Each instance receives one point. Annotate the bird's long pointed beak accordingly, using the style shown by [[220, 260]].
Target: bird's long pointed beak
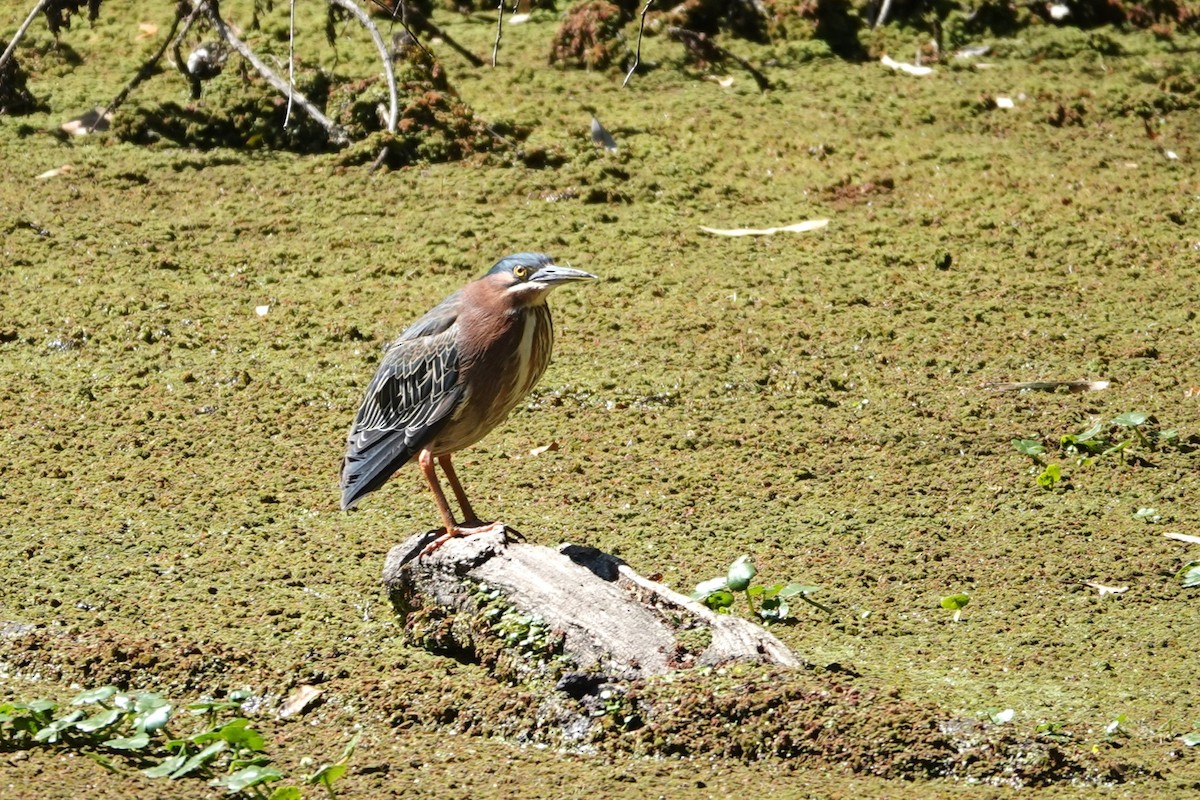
[[552, 274]]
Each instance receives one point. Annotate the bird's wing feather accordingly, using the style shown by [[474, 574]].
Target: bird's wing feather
[[413, 393]]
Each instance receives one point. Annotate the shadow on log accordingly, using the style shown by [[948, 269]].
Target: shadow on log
[[599, 657]]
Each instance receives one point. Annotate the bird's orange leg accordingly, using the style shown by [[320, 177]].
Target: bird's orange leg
[[425, 460], [452, 529], [469, 517]]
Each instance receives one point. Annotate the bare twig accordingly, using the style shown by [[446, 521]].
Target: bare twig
[[12, 45], [499, 30], [287, 115], [147, 69], [388, 71], [637, 58], [704, 47], [332, 130], [883, 13]]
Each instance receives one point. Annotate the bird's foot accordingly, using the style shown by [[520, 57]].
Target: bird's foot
[[472, 528]]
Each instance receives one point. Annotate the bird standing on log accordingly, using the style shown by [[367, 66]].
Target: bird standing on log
[[451, 377]]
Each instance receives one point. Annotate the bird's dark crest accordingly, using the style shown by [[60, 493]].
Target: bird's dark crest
[[534, 261]]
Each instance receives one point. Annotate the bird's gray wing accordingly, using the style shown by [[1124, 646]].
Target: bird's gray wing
[[414, 391]]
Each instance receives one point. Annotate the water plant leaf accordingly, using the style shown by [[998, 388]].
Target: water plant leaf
[[326, 774], [285, 793], [99, 720], [236, 733], [52, 732], [1051, 475], [705, 588], [152, 717], [1029, 447], [91, 696], [956, 602], [247, 777], [793, 589], [200, 759], [166, 767], [1189, 576], [135, 742], [741, 572], [1131, 419], [1191, 739]]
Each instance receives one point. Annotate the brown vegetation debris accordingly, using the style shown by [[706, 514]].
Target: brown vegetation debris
[[590, 36]]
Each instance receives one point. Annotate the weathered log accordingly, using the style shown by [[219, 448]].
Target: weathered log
[[596, 616]]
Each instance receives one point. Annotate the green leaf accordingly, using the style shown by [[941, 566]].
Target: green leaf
[[1189, 576], [741, 572], [793, 589], [51, 733], [200, 759], [719, 601], [153, 718], [1191, 739], [327, 774], [1148, 515], [706, 588], [285, 793], [91, 696], [236, 732], [166, 767], [135, 742], [1029, 447], [1168, 437], [1051, 475], [351, 746], [250, 776], [956, 602], [1131, 419], [99, 720]]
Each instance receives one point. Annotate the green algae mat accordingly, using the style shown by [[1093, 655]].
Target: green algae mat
[[980, 378]]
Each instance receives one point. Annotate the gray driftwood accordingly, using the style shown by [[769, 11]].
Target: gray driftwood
[[603, 619]]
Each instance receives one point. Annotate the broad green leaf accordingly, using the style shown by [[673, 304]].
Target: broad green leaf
[[1131, 419], [166, 767], [956, 602], [1149, 515], [98, 695], [153, 719], [135, 742], [250, 776], [797, 588], [200, 759], [719, 601], [1189, 576], [236, 733], [285, 793], [741, 572], [327, 774], [1168, 437], [99, 720], [706, 588], [52, 732], [1051, 475], [1029, 447], [1191, 739]]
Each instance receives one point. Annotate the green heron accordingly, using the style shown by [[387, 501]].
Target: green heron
[[451, 377]]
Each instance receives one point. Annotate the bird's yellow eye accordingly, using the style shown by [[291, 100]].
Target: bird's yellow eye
[[521, 271]]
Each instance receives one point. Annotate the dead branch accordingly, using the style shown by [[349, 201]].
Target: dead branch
[[335, 133], [20, 34], [704, 48], [147, 69], [388, 70], [637, 58]]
